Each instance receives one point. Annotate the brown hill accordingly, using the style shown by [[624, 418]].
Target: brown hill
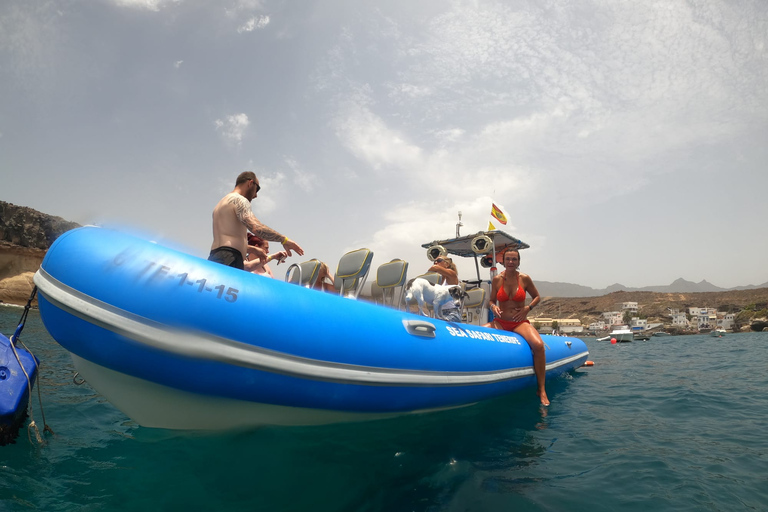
[[25, 236], [748, 304]]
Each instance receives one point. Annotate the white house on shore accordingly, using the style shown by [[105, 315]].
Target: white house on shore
[[632, 307], [613, 318], [638, 324], [725, 321], [564, 325], [600, 325], [679, 319]]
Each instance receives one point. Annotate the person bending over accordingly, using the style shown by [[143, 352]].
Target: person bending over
[[447, 269], [509, 289], [257, 265], [233, 218], [325, 280]]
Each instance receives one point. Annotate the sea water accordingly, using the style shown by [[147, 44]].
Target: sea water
[[673, 423]]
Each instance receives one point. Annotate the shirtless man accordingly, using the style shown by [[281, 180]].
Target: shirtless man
[[233, 218]]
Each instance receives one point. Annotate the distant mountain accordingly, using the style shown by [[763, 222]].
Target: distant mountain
[[550, 289]]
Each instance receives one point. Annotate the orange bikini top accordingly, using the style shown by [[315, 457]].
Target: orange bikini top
[[519, 296]]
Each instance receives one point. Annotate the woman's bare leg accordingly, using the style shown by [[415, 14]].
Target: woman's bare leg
[[539, 358]]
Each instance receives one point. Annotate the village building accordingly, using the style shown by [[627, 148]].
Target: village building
[[613, 318], [564, 325]]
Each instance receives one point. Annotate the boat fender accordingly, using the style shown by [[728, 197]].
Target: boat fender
[[482, 244], [588, 363]]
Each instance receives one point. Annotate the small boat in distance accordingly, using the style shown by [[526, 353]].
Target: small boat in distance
[[717, 333], [621, 334], [661, 333]]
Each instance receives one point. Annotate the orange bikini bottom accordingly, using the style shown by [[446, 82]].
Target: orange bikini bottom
[[509, 325]]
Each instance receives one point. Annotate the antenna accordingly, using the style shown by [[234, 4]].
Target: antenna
[[458, 225]]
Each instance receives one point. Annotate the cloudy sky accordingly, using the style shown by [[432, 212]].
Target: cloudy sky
[[626, 140]]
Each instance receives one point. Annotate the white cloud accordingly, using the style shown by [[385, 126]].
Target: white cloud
[[178, 64], [368, 137], [232, 128], [149, 5], [254, 23], [306, 181], [267, 203]]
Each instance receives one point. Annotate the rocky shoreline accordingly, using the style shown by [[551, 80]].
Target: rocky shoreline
[[25, 236], [749, 306]]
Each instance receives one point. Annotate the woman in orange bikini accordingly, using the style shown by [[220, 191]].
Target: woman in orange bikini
[[511, 314]]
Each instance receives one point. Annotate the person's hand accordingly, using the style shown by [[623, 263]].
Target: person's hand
[[289, 245], [258, 252], [280, 256], [520, 314]]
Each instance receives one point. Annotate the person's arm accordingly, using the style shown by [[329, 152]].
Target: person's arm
[[532, 291], [492, 299], [279, 257], [246, 216], [255, 253], [445, 272]]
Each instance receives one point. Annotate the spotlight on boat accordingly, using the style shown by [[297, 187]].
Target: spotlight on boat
[[436, 251], [482, 244]]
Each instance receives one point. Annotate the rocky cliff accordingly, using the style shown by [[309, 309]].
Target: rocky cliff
[[25, 235]]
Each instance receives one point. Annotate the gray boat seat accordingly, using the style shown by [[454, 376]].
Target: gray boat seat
[[304, 274], [377, 294], [473, 304], [352, 272], [432, 277], [390, 277]]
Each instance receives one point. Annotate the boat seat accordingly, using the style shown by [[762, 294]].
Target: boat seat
[[304, 274], [352, 271], [473, 303], [377, 294], [390, 278], [432, 277]]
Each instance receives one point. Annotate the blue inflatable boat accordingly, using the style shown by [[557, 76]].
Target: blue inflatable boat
[[178, 342]]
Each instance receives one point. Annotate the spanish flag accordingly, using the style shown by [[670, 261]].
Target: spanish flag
[[497, 214]]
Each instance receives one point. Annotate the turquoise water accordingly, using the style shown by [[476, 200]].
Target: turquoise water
[[675, 423]]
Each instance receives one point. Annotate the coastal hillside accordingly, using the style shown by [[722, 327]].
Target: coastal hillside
[[25, 236], [747, 304], [557, 289]]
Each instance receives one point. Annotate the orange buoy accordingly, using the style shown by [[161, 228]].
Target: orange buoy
[[613, 341], [588, 363]]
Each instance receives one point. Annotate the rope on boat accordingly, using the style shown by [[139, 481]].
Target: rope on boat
[[32, 427]]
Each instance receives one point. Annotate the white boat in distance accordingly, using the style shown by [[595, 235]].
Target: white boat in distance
[[621, 334], [717, 333]]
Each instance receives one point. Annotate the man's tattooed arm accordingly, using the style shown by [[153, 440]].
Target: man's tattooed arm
[[246, 216]]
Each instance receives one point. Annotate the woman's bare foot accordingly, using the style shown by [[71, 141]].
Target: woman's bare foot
[[543, 397]]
